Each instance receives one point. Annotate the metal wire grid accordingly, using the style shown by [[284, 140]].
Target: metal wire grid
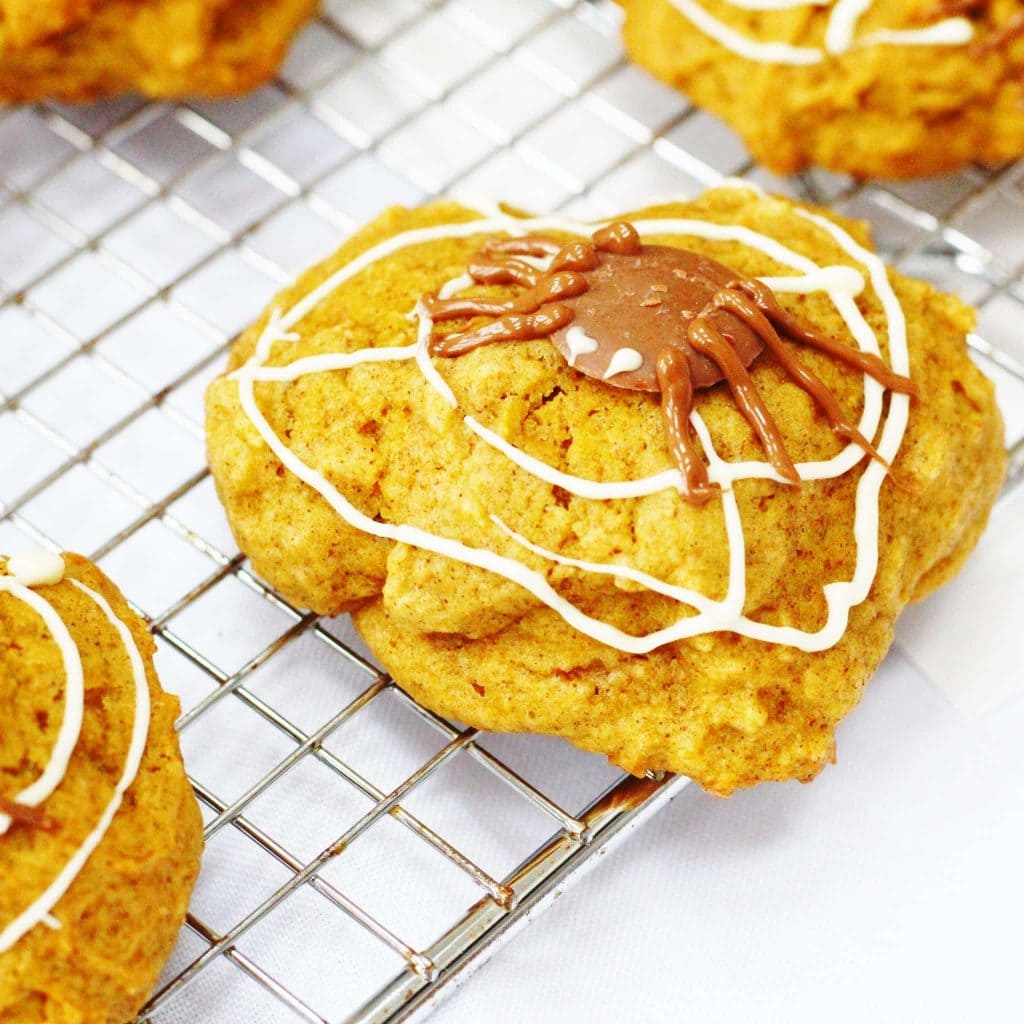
[[136, 240]]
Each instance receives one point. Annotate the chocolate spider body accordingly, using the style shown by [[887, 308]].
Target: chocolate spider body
[[658, 319], [645, 300]]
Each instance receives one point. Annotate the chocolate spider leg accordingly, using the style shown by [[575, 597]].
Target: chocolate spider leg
[[530, 245], [954, 9], [498, 270], [676, 384], [705, 337], [620, 237], [866, 362], [511, 327], [455, 309], [32, 817], [577, 255], [550, 288], [501, 270], [742, 306]]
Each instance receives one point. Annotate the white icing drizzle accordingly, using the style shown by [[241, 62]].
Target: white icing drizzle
[[681, 594], [949, 32], [326, 362], [623, 360], [36, 567], [842, 24], [33, 569], [778, 5], [840, 32], [752, 49], [580, 343], [593, 489], [843, 280], [40, 910], [840, 283]]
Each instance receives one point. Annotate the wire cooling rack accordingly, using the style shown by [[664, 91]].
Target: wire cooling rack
[[361, 851]]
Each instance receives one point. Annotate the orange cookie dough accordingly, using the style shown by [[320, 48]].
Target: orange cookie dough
[[869, 96], [91, 955], [77, 50], [501, 585]]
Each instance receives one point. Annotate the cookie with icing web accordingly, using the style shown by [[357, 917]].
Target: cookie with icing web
[[514, 535]]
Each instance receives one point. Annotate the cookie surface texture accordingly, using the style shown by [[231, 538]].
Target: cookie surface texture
[[95, 876], [887, 89], [77, 50], [524, 559]]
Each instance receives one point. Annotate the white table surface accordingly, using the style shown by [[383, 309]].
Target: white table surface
[[888, 890]]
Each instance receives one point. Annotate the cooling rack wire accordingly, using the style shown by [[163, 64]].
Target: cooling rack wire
[[361, 851]]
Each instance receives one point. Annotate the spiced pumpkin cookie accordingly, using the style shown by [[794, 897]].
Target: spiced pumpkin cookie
[[77, 50], [874, 88], [100, 834], [660, 486]]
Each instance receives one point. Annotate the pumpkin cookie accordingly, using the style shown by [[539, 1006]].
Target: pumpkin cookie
[[660, 485], [873, 88], [78, 50], [100, 834]]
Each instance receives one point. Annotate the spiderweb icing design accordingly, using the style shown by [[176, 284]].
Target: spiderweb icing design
[[841, 284]]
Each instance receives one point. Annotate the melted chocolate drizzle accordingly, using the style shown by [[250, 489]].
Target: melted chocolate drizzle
[[998, 35], [684, 321], [957, 9], [31, 817]]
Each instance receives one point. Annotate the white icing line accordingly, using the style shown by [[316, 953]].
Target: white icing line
[[415, 537], [51, 922], [456, 285], [723, 612], [777, 5], [727, 233], [306, 305], [951, 32], [489, 207], [74, 687], [840, 31], [324, 363], [426, 364], [593, 489], [763, 53], [840, 279], [681, 594], [840, 596], [41, 908], [623, 360], [842, 24]]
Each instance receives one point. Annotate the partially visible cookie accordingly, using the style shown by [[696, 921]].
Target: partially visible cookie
[[100, 834], [78, 50], [883, 89]]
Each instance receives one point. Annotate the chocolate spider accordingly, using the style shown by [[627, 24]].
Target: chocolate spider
[[658, 319]]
